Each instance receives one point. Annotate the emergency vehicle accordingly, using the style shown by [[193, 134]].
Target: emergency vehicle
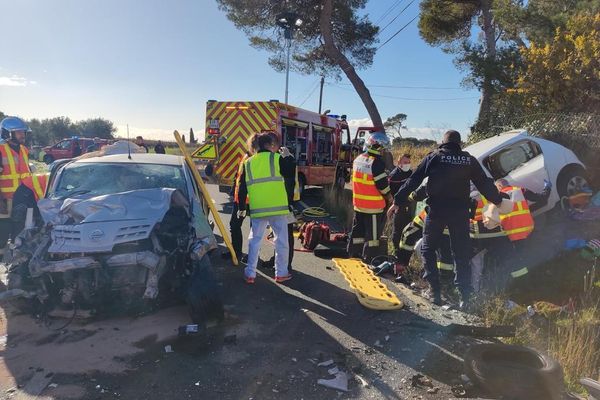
[[314, 139]]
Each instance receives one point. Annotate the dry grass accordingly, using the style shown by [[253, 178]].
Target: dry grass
[[417, 152], [571, 334]]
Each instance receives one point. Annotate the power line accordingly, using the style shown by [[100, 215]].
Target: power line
[[410, 98], [385, 14], [396, 17], [309, 88], [398, 31], [408, 87], [310, 94]]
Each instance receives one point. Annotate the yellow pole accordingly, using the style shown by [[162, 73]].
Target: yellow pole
[[207, 197]]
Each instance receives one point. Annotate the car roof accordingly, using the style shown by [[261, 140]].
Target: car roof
[[485, 146], [136, 158]]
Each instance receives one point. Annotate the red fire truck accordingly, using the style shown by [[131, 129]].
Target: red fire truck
[[316, 140]]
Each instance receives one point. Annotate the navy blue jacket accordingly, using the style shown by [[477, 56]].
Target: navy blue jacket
[[449, 171]]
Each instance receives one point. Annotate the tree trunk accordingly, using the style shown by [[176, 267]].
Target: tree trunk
[[487, 89], [340, 59]]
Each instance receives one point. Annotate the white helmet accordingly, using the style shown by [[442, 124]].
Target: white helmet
[[377, 140]]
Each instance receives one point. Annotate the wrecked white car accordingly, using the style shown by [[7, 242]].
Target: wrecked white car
[[117, 232]]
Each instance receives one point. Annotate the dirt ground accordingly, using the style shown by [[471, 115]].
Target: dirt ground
[[268, 347]]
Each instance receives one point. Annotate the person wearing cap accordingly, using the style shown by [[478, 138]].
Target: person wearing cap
[[449, 170], [370, 196]]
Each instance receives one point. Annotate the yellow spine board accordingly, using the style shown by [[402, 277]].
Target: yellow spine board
[[207, 197], [369, 289]]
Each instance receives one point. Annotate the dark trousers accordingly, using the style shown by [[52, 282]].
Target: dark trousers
[[364, 238], [401, 219], [457, 221], [235, 229], [410, 236]]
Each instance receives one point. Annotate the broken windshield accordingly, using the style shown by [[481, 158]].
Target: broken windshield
[[99, 179]]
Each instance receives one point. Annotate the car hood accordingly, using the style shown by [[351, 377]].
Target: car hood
[[96, 224]]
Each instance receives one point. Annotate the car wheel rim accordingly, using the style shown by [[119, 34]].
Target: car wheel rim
[[576, 185]]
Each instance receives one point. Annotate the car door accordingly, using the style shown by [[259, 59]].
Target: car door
[[522, 164]]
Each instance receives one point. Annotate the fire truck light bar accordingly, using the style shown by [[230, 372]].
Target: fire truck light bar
[[237, 107]]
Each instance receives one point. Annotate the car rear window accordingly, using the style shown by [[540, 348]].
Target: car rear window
[[100, 179]]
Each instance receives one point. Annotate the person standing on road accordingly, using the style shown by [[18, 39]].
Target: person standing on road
[[140, 142], [403, 216], [159, 148], [236, 221], [14, 168], [449, 171], [370, 194], [263, 179]]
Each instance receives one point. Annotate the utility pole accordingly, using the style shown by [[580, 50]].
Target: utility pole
[[321, 93]]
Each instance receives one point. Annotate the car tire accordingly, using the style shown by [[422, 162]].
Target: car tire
[[514, 372], [204, 297], [571, 180], [48, 159]]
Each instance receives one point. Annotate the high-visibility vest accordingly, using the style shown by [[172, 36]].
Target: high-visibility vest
[[37, 183], [266, 186], [366, 198], [420, 218], [236, 188], [518, 224], [15, 167]]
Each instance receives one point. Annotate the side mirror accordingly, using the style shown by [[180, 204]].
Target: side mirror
[[32, 167], [361, 134]]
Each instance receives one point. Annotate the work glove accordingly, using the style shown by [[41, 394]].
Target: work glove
[[285, 152], [241, 214], [547, 185]]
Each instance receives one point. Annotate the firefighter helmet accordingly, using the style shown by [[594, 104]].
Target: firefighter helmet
[[377, 140], [12, 124]]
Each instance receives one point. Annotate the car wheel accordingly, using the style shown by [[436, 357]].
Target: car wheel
[[571, 180], [48, 159]]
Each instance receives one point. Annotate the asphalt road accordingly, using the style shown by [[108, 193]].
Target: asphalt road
[[268, 347]]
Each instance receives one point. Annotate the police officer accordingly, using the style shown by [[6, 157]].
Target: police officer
[[14, 164], [449, 171], [370, 195]]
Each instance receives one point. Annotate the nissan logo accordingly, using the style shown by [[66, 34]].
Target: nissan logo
[[96, 234]]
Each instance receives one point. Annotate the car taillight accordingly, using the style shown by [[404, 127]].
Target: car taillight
[[213, 131]]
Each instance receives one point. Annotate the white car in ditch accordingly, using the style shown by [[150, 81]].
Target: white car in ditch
[[526, 161], [118, 232]]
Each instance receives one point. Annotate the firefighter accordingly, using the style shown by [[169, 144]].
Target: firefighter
[[14, 161], [403, 217], [370, 195], [518, 224], [449, 171], [26, 196], [263, 180]]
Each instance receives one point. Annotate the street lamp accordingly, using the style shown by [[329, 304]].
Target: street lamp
[[288, 21]]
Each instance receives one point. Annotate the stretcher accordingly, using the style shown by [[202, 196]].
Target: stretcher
[[369, 289]]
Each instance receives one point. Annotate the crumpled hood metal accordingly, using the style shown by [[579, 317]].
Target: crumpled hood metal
[[98, 223]]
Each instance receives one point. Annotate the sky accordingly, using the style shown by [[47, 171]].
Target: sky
[[152, 65]]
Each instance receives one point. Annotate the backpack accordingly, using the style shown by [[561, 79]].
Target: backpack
[[312, 233]]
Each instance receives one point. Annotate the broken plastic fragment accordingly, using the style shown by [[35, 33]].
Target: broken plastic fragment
[[168, 349], [325, 363], [362, 380], [333, 371], [340, 382]]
